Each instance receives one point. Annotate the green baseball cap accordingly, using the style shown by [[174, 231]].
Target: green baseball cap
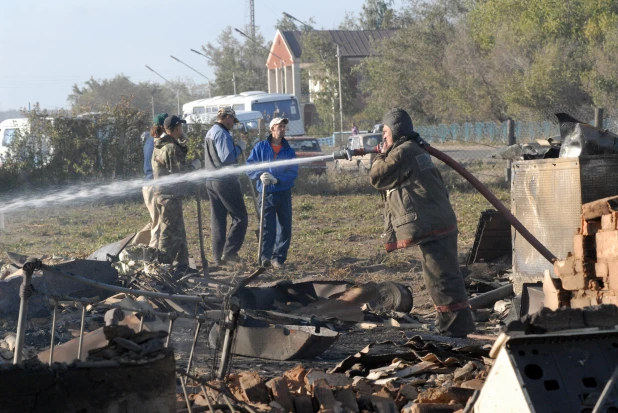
[[159, 119]]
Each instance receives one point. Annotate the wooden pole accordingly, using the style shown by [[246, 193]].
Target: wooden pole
[[510, 135]]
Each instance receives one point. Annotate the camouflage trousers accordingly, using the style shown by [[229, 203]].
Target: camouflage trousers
[[151, 204], [446, 287], [172, 235]]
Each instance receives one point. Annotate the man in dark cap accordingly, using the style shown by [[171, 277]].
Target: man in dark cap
[[169, 157], [418, 212]]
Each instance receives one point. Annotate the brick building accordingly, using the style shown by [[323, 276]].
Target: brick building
[[285, 61]]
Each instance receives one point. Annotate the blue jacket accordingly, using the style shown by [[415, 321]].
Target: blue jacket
[[148, 150], [219, 150], [263, 152]]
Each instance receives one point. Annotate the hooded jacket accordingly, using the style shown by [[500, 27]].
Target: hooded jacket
[[168, 158], [417, 208], [286, 175]]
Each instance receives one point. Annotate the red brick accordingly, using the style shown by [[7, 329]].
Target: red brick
[[608, 221], [574, 282], [612, 277], [601, 270], [609, 299], [607, 246], [584, 267], [581, 302], [584, 246], [565, 268]]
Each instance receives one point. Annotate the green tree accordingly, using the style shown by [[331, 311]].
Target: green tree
[[350, 22], [286, 24], [98, 94], [377, 14], [321, 53], [244, 60]]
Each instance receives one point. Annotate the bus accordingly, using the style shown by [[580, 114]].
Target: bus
[[270, 105]]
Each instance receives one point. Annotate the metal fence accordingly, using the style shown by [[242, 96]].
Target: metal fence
[[474, 144]]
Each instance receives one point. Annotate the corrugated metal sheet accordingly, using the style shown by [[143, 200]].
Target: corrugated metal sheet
[[546, 196], [352, 43]]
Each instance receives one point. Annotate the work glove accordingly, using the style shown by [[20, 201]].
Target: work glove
[[267, 178]]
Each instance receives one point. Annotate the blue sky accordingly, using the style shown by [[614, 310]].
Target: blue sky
[[54, 44]]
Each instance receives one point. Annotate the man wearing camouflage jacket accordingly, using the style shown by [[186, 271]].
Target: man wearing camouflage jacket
[[417, 211], [169, 158]]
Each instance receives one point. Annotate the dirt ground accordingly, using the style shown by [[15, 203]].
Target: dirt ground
[[337, 226]]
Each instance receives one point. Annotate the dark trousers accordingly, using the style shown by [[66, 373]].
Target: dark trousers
[[446, 287], [226, 198], [277, 225]]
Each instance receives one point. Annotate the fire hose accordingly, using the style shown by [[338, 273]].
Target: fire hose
[[459, 168]]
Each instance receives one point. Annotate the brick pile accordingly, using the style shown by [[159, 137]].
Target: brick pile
[[589, 275]]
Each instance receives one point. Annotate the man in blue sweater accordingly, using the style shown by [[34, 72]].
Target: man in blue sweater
[[277, 182], [224, 192]]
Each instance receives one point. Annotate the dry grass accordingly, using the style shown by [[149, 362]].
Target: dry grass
[[336, 230]]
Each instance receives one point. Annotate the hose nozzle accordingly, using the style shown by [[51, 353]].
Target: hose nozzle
[[347, 153]]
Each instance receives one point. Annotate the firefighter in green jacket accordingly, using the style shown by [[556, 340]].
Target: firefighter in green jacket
[[169, 158], [417, 211]]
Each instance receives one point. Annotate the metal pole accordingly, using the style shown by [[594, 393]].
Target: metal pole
[[200, 321], [173, 318], [234, 81], [81, 333], [184, 391], [178, 102], [109, 287], [200, 231], [261, 240], [152, 104], [340, 95], [598, 117], [510, 136], [53, 333], [226, 350], [25, 292]]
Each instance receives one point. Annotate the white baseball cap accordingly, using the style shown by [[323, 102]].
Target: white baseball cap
[[277, 121]]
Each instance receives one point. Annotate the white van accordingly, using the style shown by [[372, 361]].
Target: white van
[[247, 120], [8, 127]]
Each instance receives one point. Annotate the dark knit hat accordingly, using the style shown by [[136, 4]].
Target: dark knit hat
[[159, 119], [399, 122]]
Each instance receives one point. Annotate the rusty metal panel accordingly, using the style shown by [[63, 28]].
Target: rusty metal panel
[[546, 198]]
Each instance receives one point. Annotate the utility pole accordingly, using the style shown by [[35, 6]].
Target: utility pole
[[215, 62], [598, 117], [177, 90], [204, 76], [252, 19], [340, 95]]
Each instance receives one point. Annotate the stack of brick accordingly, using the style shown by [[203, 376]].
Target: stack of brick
[[589, 275]]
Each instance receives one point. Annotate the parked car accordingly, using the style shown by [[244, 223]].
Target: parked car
[[306, 147], [366, 141]]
